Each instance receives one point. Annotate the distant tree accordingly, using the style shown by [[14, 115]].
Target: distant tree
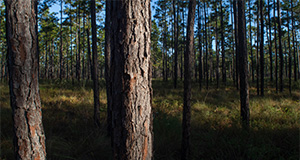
[[186, 119], [131, 79], [280, 47], [244, 90], [262, 59], [29, 137], [175, 13]]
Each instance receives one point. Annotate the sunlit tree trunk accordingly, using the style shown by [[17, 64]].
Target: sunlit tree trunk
[[29, 137], [131, 80]]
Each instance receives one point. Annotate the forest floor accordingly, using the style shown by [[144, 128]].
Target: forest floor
[[216, 130]]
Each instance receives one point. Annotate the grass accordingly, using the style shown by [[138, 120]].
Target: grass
[[216, 129]]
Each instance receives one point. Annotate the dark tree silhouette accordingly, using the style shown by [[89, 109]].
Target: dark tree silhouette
[[186, 120]]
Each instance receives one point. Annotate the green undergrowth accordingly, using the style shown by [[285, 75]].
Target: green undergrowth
[[216, 132]]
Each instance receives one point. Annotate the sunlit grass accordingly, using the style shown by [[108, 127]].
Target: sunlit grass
[[216, 129]]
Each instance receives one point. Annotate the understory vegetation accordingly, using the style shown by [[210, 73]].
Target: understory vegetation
[[216, 132]]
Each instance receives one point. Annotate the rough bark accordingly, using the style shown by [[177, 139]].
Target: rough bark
[[186, 119], [29, 137], [95, 66], [235, 16], [131, 79], [244, 90]]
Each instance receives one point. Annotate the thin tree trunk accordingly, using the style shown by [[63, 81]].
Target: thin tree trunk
[[223, 46], [200, 47], [108, 42], [175, 43], [236, 44], [95, 66], [276, 54], [206, 46], [186, 119], [280, 48], [294, 45], [270, 42], [257, 49], [29, 137], [262, 59], [131, 80], [244, 90], [290, 53], [251, 48], [61, 42], [217, 47]]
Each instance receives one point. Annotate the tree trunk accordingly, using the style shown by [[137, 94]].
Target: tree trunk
[[200, 47], [186, 119], [257, 48], [276, 55], [206, 46], [95, 66], [223, 46], [270, 42], [251, 48], [217, 47], [294, 45], [175, 43], [290, 54], [131, 80], [108, 28], [236, 43], [244, 90], [262, 59], [29, 137], [61, 42], [280, 48]]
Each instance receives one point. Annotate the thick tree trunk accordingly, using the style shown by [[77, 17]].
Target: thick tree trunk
[[186, 119], [244, 90], [131, 80], [29, 137], [95, 66], [262, 59], [280, 48]]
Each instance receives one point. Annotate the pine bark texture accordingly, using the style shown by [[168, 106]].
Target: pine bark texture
[[188, 55], [29, 137], [131, 79], [244, 89]]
